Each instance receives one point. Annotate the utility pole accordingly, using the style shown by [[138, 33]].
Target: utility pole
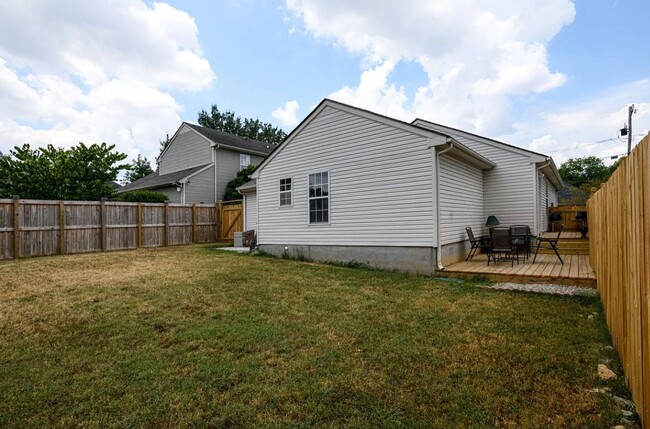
[[630, 110]]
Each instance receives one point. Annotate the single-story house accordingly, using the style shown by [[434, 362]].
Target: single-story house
[[198, 163], [351, 185]]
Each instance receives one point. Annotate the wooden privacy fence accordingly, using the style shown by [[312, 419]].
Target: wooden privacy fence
[[37, 227], [619, 237], [231, 219], [568, 214]]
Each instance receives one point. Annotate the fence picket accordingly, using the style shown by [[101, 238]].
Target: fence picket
[[619, 236], [36, 228]]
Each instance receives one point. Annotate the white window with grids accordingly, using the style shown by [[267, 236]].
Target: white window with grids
[[244, 161], [286, 192], [319, 198]]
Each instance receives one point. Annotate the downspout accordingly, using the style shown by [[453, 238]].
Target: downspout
[[436, 201], [215, 147], [536, 224]]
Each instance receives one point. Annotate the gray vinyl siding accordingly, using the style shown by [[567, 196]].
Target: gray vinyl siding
[[508, 189], [552, 195], [171, 192], [461, 199], [188, 149], [380, 180], [544, 202], [200, 189], [250, 204], [228, 167]]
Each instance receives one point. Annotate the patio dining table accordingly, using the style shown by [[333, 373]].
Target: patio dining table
[[521, 236]]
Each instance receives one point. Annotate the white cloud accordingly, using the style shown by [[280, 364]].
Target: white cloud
[[589, 127], [96, 71], [477, 55], [287, 115]]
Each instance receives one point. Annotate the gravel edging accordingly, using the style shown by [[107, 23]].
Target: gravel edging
[[544, 288]]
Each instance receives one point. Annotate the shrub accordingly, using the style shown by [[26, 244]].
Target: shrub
[[142, 196]]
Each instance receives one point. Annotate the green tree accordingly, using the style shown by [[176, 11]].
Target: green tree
[[141, 196], [139, 168], [243, 176], [79, 173], [252, 128], [585, 172]]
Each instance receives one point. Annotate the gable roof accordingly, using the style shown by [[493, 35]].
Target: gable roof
[[457, 147], [232, 141], [549, 170], [155, 180]]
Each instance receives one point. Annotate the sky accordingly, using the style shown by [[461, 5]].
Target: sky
[[553, 76]]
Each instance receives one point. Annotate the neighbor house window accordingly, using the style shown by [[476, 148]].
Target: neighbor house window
[[244, 161], [285, 192], [319, 199]]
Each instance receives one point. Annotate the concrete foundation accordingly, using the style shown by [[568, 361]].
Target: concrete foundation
[[416, 260], [455, 252]]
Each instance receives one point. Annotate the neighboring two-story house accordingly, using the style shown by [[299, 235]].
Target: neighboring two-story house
[[199, 162]]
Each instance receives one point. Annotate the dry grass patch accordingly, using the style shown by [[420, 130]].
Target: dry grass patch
[[192, 336]]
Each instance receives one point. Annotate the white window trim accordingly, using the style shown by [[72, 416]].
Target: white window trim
[[290, 191], [329, 200], [240, 161]]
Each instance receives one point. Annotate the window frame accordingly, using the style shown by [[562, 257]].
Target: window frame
[[280, 192], [328, 197], [241, 157]]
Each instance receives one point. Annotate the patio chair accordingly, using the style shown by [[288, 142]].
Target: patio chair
[[521, 238], [549, 243], [476, 243], [502, 247]]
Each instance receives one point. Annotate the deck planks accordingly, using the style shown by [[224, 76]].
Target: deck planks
[[546, 269]]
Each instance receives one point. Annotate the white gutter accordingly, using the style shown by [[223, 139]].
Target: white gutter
[[436, 201], [536, 196]]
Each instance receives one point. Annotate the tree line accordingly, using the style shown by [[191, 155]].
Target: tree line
[[87, 172]]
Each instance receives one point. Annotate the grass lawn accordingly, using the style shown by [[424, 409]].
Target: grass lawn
[[197, 337]]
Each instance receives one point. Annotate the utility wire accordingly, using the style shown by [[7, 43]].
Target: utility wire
[[564, 149]]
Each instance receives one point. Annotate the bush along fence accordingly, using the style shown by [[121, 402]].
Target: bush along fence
[[619, 239], [39, 227]]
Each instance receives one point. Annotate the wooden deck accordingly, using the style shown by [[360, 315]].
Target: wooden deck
[[576, 270]]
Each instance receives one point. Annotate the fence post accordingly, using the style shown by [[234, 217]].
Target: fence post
[[194, 226], [61, 227], [166, 220], [102, 223], [219, 218], [139, 244], [16, 227]]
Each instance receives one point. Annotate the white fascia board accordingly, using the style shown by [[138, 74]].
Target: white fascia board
[[535, 157], [184, 179], [171, 141], [354, 111], [463, 152]]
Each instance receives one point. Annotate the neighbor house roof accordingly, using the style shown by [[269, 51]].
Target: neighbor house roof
[[155, 180], [230, 140], [248, 186]]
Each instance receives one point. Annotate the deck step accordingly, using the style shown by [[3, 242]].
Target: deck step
[[577, 246]]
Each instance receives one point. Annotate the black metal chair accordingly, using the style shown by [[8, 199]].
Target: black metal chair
[[476, 243], [521, 238], [549, 243], [501, 246]]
